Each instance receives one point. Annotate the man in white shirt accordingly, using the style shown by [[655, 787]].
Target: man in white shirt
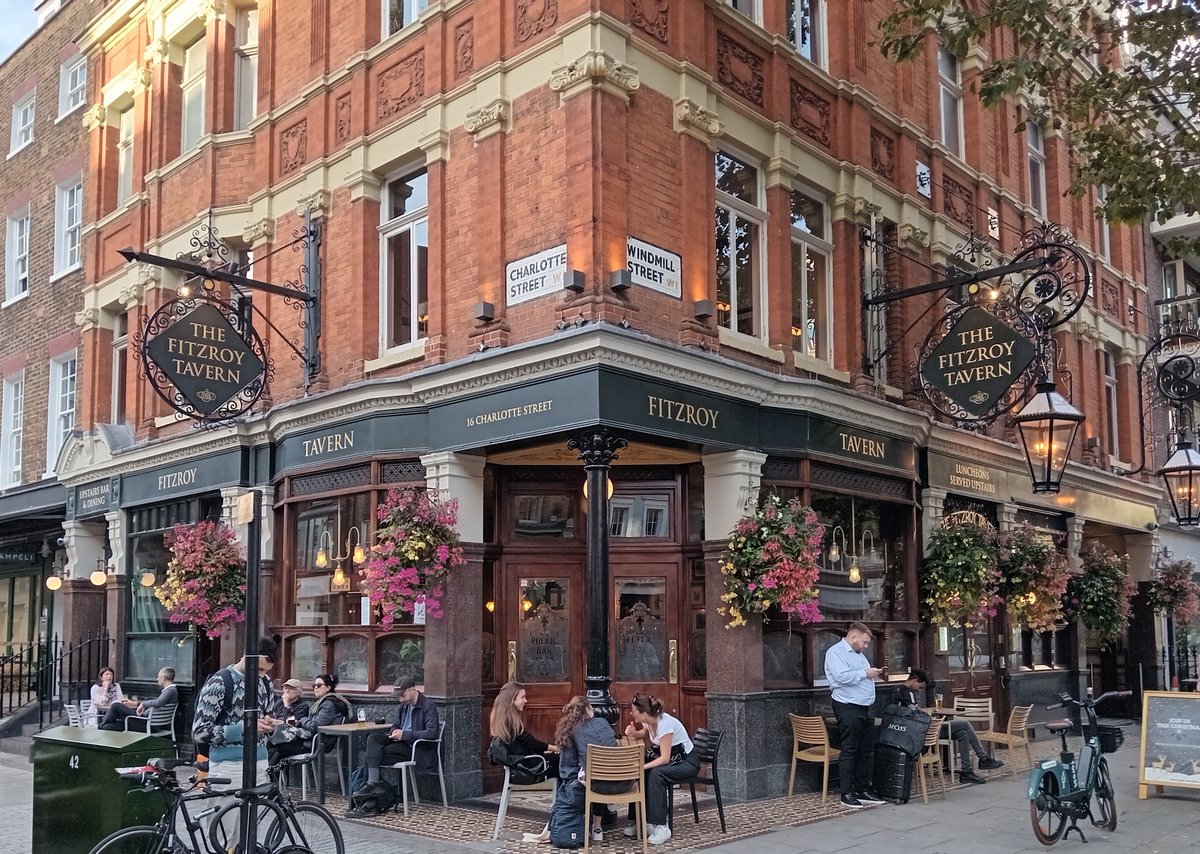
[[852, 683]]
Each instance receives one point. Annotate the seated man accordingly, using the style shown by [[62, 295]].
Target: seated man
[[416, 718], [114, 718], [960, 731]]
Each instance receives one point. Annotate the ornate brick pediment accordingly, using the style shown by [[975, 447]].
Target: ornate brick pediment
[[598, 68], [487, 120], [740, 69], [534, 17], [401, 86], [809, 113], [651, 17]]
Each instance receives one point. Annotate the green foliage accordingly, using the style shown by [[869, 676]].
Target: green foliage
[[961, 578], [1034, 576], [1100, 595]]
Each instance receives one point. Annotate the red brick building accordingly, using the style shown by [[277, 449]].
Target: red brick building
[[542, 218]]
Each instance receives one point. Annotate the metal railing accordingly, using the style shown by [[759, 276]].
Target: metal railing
[[51, 674]]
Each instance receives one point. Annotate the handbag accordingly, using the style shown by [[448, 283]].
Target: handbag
[[904, 728]]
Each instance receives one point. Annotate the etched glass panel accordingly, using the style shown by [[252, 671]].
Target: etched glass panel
[[401, 655], [783, 654], [350, 661], [539, 517], [544, 634], [897, 652], [641, 632], [822, 642], [307, 658]]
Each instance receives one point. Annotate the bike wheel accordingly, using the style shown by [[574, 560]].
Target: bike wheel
[[1047, 824], [1106, 800], [224, 829], [133, 840], [311, 826]]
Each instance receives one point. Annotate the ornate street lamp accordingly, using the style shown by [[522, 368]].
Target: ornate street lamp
[[1048, 424], [1181, 475]]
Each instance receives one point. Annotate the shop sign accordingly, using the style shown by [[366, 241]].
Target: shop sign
[[978, 361], [676, 411], [534, 275], [654, 268], [95, 498], [18, 557], [357, 439], [196, 476], [966, 477], [533, 409], [212, 368], [1170, 741], [856, 445]]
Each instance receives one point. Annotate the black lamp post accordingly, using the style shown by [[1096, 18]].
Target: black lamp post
[[597, 451], [1181, 475], [1048, 424]]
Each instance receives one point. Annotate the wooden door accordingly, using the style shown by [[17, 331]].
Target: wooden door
[[645, 634]]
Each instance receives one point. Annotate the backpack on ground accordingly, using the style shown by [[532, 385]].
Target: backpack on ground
[[568, 824], [379, 802]]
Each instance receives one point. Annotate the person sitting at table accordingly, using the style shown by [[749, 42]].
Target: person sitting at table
[[106, 692], [674, 760], [961, 732], [512, 743], [577, 728], [287, 739], [114, 718], [328, 709], [416, 718]]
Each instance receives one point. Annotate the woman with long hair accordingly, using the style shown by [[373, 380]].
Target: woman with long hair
[[665, 735], [577, 728], [512, 743], [106, 691]]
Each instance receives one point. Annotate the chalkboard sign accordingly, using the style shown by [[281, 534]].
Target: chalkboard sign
[[1170, 741]]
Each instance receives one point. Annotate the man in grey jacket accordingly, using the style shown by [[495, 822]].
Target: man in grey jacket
[[114, 719]]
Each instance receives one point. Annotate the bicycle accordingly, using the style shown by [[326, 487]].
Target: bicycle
[[1063, 788]]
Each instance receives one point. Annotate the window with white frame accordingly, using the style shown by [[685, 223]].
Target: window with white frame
[[68, 217], [245, 68], [398, 14], [806, 28], [404, 260], [1036, 150], [191, 86], [740, 221], [60, 416], [749, 8], [1111, 403], [812, 321], [16, 272], [13, 417], [1103, 236], [72, 84], [124, 156], [120, 366], [22, 123], [950, 85]]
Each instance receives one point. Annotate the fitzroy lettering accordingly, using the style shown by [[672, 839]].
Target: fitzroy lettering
[[177, 478], [986, 357], [685, 413], [189, 356]]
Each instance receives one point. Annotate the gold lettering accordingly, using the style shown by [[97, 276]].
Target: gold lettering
[[863, 446], [684, 413]]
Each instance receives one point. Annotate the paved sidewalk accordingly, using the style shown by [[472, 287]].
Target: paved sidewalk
[[987, 819]]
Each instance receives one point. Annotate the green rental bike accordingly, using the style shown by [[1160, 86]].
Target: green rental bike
[[1063, 788]]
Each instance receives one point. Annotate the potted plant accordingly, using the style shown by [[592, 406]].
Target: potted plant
[[1033, 577], [205, 582], [416, 547], [1100, 595], [773, 559], [1175, 591], [961, 580]]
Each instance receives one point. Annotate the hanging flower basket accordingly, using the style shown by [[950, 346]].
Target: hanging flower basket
[[961, 579], [417, 546], [1033, 578], [1175, 591], [773, 559], [1100, 595], [205, 581]]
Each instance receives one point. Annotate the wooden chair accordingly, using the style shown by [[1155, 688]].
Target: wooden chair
[[1017, 735], [977, 710], [706, 743], [811, 731], [550, 784], [160, 721], [73, 716], [615, 764], [931, 758], [409, 767]]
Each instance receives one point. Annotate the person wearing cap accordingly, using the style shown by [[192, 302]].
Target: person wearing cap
[[416, 718], [287, 739]]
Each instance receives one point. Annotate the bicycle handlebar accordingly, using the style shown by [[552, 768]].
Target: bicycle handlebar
[[1066, 699]]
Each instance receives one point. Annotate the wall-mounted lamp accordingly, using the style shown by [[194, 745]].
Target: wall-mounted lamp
[[490, 606], [54, 580], [574, 280], [339, 583], [621, 280], [101, 573], [485, 312], [703, 309], [608, 487], [835, 551], [526, 604]]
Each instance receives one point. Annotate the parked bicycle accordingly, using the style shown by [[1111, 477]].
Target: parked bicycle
[[283, 826], [1063, 788]]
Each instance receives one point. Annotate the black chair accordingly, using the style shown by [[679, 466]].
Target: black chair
[[706, 743]]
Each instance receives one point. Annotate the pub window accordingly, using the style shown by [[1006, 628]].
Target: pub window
[[740, 221], [1036, 144], [640, 516], [863, 562], [124, 156], [398, 14], [120, 366], [245, 68], [324, 596], [540, 516], [1112, 413], [950, 89], [404, 256], [749, 8], [1103, 242], [812, 320], [806, 28], [191, 88]]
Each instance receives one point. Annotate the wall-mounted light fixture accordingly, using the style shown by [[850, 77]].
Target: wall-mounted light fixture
[[485, 312], [621, 280], [54, 579], [148, 578], [574, 280], [1047, 426], [340, 583], [608, 487], [490, 606], [100, 574], [703, 309]]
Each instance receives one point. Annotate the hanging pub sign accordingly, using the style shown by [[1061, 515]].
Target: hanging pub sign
[[977, 361], [204, 360]]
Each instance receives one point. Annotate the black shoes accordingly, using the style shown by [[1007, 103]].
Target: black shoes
[[851, 802], [971, 777], [367, 809], [869, 797], [371, 790], [987, 763]]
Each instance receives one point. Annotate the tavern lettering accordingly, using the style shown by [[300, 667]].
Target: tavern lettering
[[989, 359], [685, 413], [863, 446], [176, 479], [329, 443], [220, 359]]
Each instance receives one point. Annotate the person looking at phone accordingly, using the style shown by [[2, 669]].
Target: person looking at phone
[[416, 718], [961, 732], [852, 682]]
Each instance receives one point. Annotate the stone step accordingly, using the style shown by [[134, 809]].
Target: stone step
[[17, 745]]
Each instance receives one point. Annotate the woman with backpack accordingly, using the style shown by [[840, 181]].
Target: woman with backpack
[[528, 758]]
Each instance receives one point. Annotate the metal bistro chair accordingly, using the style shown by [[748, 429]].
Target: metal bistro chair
[[73, 716], [615, 764], [811, 731], [409, 767], [931, 758], [550, 784], [87, 714], [706, 743], [159, 722]]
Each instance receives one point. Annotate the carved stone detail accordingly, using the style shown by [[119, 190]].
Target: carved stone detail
[[145, 76], [957, 202], [156, 51], [401, 86], [149, 276], [293, 147], [809, 113], [598, 67], [1110, 298], [464, 47], [133, 292], [863, 209], [909, 235], [883, 154], [94, 117], [210, 10], [262, 231], [87, 318], [740, 69], [319, 201], [342, 117], [535, 16], [488, 119], [597, 447], [699, 121], [651, 17]]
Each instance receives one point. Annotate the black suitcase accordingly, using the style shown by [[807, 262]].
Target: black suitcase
[[893, 773]]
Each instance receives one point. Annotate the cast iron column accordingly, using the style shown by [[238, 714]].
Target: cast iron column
[[597, 451]]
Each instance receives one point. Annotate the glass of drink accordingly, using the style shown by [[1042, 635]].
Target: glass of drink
[[937, 702], [362, 718]]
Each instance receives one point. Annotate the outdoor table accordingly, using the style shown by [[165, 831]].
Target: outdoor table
[[346, 731]]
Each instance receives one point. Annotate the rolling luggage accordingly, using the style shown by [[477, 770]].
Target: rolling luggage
[[893, 773]]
